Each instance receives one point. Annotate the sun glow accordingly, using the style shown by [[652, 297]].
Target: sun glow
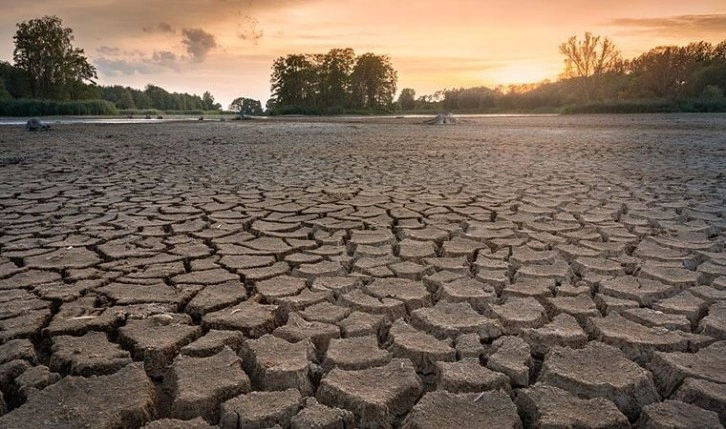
[[526, 72]]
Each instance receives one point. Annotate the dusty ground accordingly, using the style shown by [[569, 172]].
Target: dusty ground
[[503, 272]]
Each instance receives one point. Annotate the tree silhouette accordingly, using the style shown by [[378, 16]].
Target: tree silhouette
[[293, 81], [589, 59], [304, 83], [335, 70], [209, 103], [407, 99], [246, 106], [374, 81]]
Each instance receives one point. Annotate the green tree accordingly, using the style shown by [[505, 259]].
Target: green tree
[[373, 81], [294, 81], [15, 80], [246, 106], [141, 100], [44, 50], [209, 103], [407, 99], [663, 71], [126, 101], [120, 96], [4, 94], [271, 105], [589, 59], [160, 98], [709, 75], [335, 70], [318, 83]]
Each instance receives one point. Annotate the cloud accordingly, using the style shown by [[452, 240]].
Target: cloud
[[165, 59], [162, 27], [136, 63], [166, 28], [108, 50], [198, 43], [116, 67], [688, 25]]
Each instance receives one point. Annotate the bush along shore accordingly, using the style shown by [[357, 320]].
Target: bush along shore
[[56, 108]]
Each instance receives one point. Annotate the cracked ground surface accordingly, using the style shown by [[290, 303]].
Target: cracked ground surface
[[504, 272]]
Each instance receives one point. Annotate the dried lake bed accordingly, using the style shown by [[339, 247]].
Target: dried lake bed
[[513, 271]]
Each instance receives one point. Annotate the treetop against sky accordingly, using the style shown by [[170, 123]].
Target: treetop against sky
[[228, 46]]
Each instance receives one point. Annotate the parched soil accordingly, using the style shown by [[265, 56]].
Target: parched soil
[[375, 273]]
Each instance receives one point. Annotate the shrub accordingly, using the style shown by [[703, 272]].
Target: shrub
[[24, 107]]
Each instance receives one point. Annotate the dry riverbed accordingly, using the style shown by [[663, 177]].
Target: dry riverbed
[[339, 273]]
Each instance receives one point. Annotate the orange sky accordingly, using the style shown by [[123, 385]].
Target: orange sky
[[227, 46]]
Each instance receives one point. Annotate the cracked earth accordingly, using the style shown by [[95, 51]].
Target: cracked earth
[[505, 272]]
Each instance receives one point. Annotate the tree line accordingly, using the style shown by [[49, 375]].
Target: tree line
[[14, 86], [154, 97], [596, 78]]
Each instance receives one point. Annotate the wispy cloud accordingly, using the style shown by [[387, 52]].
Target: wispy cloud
[[162, 27], [249, 29], [682, 25], [166, 59], [114, 62], [117, 67], [108, 50]]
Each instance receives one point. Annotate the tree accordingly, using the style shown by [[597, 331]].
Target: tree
[[374, 81], [663, 71], [160, 98], [141, 100], [246, 106], [126, 101], [407, 99], [4, 94], [588, 60], [293, 81], [209, 103], [719, 52], [44, 50], [335, 71], [15, 79]]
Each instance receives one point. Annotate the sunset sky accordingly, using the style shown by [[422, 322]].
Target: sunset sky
[[227, 46]]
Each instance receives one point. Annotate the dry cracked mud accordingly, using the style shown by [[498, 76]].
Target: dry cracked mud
[[375, 273]]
